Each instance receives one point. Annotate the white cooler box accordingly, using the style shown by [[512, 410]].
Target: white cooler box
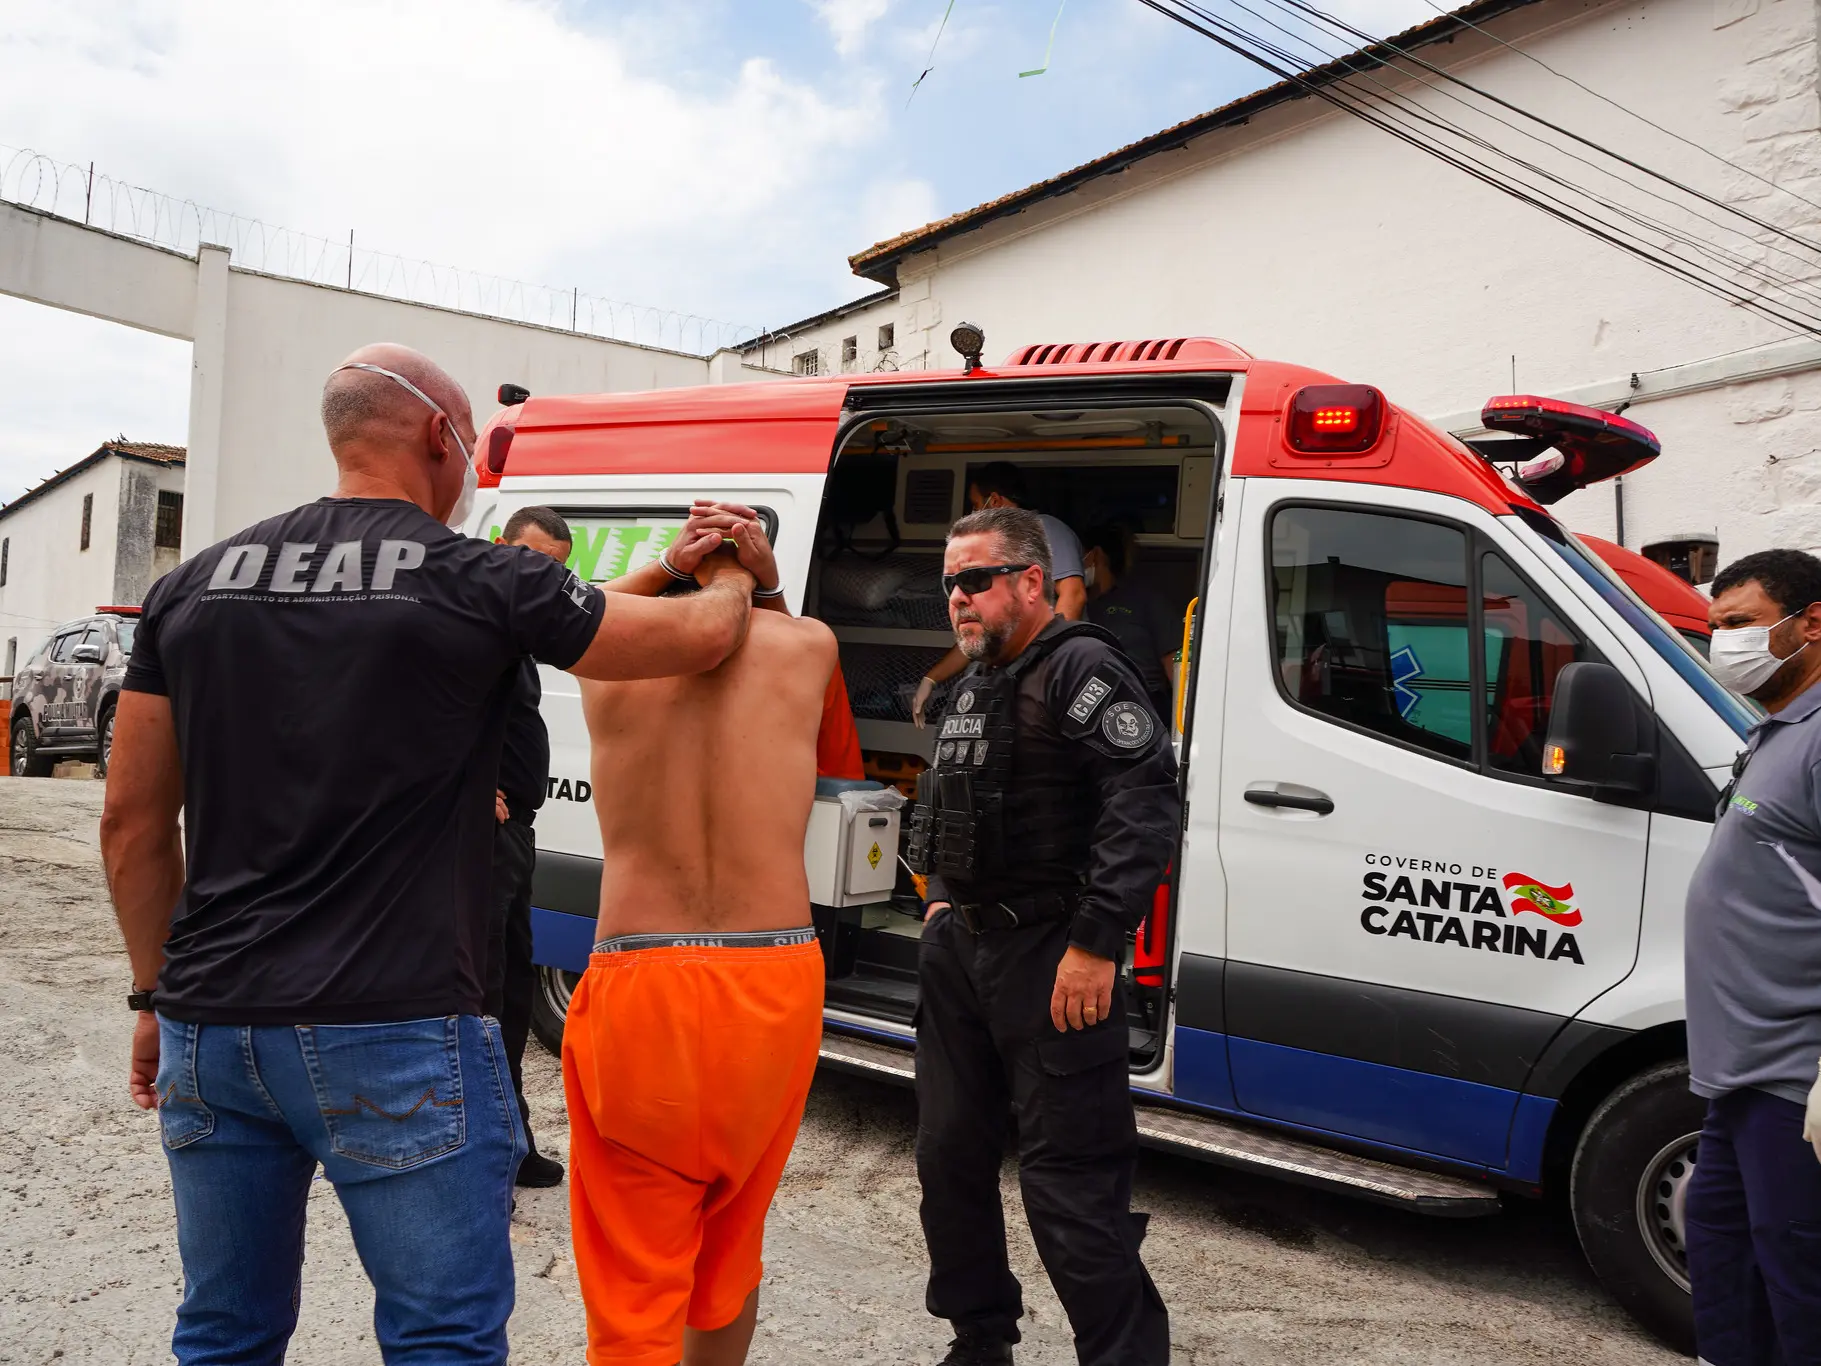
[[851, 856]]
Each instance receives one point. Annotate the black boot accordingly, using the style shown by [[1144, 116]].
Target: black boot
[[977, 1349], [538, 1170]]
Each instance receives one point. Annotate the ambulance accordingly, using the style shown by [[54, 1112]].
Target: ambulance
[[1445, 773]]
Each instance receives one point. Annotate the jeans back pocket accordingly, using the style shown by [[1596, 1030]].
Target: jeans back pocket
[[182, 1116], [390, 1094]]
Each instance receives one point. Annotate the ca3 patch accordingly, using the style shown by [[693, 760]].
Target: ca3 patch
[[1127, 725]]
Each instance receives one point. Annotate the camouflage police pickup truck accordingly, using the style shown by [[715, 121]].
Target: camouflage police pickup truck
[[64, 693]]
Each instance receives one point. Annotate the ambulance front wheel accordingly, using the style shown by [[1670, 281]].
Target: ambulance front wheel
[[550, 1005], [1628, 1190]]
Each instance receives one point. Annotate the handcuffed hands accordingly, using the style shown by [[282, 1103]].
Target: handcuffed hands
[[1811, 1119], [741, 525], [1084, 989]]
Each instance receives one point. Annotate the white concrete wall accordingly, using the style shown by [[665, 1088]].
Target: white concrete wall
[[1310, 236], [49, 578], [264, 345]]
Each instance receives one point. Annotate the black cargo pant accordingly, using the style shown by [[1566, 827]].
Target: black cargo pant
[[511, 976], [986, 1047]]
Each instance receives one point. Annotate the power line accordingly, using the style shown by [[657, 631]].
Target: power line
[[1624, 109], [1714, 251], [1254, 49]]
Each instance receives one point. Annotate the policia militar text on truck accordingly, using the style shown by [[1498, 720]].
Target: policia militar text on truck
[[1444, 773]]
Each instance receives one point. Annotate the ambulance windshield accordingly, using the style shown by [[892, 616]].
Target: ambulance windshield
[[1642, 618]]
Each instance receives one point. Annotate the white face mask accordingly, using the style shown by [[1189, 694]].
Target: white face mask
[[464, 501], [1741, 658], [1089, 576]]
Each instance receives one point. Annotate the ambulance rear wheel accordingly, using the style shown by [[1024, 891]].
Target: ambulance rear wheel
[[1628, 1190], [550, 1005]]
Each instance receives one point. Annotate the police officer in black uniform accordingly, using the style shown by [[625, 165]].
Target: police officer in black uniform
[[1046, 821]]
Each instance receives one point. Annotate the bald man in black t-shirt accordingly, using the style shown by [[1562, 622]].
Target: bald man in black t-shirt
[[322, 696]]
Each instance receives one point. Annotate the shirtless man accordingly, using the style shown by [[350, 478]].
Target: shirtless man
[[692, 1038]]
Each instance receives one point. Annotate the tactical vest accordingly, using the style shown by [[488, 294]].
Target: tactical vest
[[967, 823]]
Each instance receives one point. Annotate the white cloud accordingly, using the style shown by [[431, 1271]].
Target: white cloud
[[849, 20], [496, 135], [73, 382]]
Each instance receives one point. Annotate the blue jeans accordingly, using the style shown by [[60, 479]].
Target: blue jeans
[[416, 1125], [1754, 1235]]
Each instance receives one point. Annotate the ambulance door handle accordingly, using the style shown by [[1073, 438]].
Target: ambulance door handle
[[1318, 802]]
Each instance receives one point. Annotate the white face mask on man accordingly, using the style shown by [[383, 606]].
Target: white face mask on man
[[471, 481], [1742, 659]]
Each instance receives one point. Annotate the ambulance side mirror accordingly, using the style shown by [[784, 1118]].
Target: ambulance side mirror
[[1599, 735]]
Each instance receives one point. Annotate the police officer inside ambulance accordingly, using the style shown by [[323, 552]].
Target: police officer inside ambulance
[[1045, 822]]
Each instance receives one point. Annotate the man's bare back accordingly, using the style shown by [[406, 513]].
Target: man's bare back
[[703, 785]]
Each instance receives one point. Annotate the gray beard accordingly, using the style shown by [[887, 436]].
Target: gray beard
[[985, 647]]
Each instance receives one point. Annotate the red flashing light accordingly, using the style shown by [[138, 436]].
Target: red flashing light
[[499, 443], [1535, 415], [1335, 419]]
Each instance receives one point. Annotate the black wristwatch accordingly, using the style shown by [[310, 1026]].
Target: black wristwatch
[[140, 1000]]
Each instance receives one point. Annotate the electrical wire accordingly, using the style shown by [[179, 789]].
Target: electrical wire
[[1719, 254], [1623, 109], [1261, 53], [1369, 42]]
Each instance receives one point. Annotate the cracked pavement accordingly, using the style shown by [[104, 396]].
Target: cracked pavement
[[1254, 1271]]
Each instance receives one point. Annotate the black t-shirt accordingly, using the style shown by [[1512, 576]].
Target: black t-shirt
[[1147, 632], [525, 760], [339, 677]]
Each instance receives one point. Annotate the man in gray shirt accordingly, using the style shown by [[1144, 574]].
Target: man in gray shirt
[[1753, 964]]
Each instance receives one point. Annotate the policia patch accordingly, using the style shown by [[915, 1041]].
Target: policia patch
[[1128, 725]]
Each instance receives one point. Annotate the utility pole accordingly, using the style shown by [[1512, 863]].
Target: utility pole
[[575, 304], [88, 200], [350, 258]]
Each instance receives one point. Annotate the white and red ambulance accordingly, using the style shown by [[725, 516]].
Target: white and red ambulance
[[1445, 774]]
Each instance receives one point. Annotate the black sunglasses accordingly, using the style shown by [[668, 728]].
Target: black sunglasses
[[972, 581]]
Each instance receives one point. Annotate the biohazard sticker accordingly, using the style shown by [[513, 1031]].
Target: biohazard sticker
[[1092, 694], [874, 854], [965, 703], [1127, 725]]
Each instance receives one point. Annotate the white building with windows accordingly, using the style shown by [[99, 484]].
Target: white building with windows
[[96, 534]]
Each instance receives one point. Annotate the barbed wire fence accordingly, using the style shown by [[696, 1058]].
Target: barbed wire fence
[[83, 195]]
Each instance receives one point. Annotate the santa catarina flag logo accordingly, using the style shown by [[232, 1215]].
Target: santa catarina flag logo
[[1527, 894]]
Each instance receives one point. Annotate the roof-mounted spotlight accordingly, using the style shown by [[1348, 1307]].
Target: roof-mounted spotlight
[[970, 342], [511, 394]]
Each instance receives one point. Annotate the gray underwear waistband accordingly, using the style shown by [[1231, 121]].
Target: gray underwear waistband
[[740, 939]]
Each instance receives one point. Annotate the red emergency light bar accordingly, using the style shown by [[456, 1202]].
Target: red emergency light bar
[[1335, 419], [1584, 445], [121, 611]]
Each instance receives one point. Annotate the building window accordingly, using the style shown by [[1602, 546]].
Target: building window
[[850, 350], [6, 550], [88, 513], [888, 336], [1695, 559], [806, 363], [168, 533]]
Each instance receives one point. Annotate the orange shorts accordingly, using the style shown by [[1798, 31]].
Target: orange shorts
[[685, 1069]]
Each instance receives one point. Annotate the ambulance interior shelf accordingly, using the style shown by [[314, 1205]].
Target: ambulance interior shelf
[[875, 579]]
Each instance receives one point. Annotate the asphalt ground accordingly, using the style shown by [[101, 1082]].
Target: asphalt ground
[[1254, 1271]]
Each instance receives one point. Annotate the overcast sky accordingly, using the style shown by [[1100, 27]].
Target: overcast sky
[[713, 157]]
